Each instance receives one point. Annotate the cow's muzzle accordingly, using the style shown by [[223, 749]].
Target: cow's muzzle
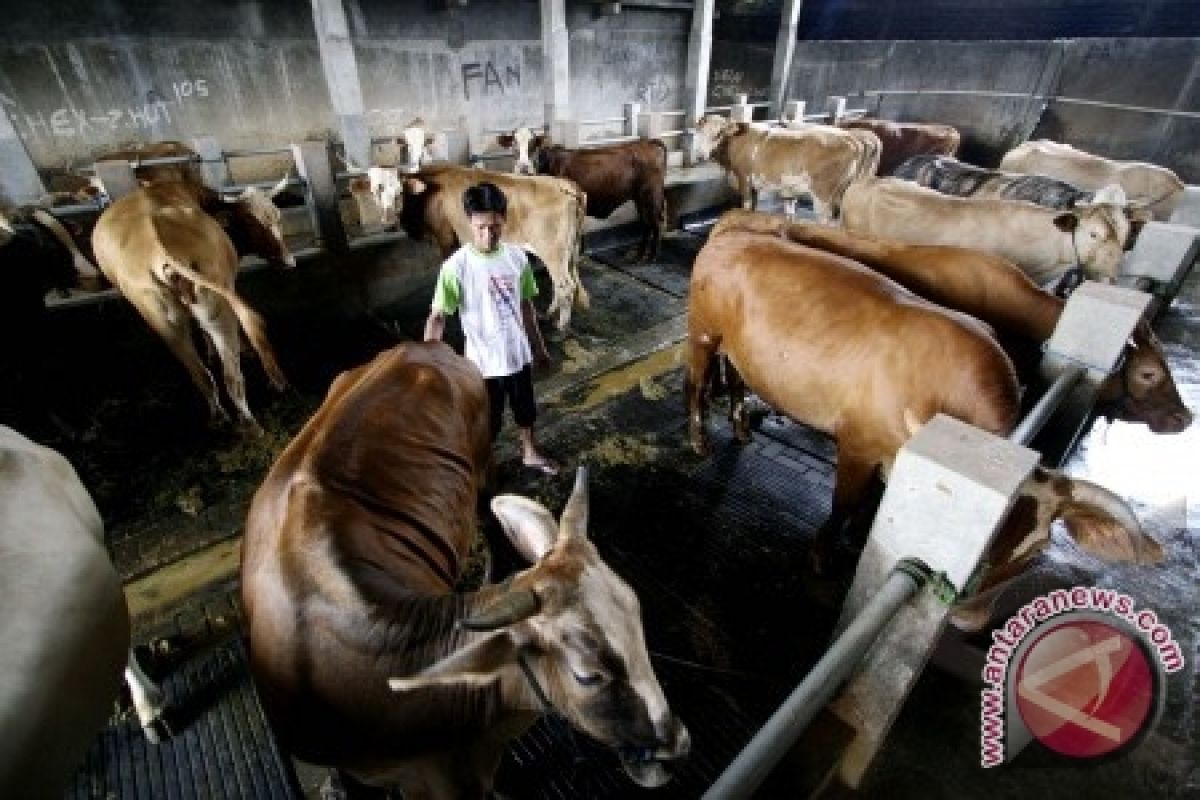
[[653, 767]]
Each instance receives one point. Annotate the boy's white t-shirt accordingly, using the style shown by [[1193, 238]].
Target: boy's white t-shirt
[[486, 289]]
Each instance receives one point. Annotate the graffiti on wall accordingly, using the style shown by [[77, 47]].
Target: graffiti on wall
[[71, 122], [727, 84], [654, 92], [486, 77]]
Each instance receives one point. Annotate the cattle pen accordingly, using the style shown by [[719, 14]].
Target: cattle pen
[[721, 549]]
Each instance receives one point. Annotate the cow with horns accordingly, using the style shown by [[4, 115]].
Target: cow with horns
[[173, 250], [365, 656]]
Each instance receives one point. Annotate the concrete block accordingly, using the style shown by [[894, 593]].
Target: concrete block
[[1188, 210], [315, 165], [741, 111], [835, 106], [214, 169], [632, 112], [1094, 328], [1164, 252], [793, 110], [950, 488], [117, 178]]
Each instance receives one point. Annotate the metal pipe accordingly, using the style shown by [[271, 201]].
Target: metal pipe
[[601, 121], [752, 766], [262, 151], [1040, 413]]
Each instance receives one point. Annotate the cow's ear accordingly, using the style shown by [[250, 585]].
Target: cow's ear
[[528, 524], [1066, 222], [505, 140], [738, 128], [475, 665], [538, 142], [414, 186]]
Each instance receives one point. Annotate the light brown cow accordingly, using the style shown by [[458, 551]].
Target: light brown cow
[[367, 659], [855, 355], [1044, 242], [818, 160], [901, 141], [163, 247], [1157, 188], [994, 290], [545, 216]]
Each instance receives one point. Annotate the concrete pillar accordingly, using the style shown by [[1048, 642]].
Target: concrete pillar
[[632, 110], [214, 170], [556, 46], [19, 179], [314, 162], [835, 106], [785, 47], [341, 76], [695, 86]]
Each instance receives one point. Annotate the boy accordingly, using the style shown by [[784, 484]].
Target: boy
[[490, 284]]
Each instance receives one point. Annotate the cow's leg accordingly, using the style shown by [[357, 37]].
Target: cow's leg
[[736, 387], [149, 703], [218, 320], [702, 351], [851, 479], [171, 321]]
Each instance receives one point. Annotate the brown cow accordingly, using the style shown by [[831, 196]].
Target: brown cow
[[994, 290], [545, 216], [818, 160], [165, 249], [903, 140], [354, 544], [852, 353], [610, 177]]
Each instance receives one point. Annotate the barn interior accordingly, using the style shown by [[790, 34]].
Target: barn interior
[[717, 547]]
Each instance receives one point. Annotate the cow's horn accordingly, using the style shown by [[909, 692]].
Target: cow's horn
[[512, 607], [279, 187], [574, 519]]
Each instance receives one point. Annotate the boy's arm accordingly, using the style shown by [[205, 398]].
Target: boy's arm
[[446, 297], [529, 318]]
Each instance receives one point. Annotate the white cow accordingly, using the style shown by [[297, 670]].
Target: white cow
[[63, 623]]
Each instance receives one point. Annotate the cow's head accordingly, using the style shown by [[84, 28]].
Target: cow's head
[[417, 141], [569, 629], [1098, 232], [254, 224], [526, 144], [712, 131], [1143, 390]]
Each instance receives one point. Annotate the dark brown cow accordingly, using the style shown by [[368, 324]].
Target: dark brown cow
[[852, 353], [903, 140], [610, 177], [354, 544], [994, 290]]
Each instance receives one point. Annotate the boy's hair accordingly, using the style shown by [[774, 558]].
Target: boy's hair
[[484, 198]]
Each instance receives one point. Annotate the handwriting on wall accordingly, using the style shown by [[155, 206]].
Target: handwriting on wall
[[488, 77], [727, 84], [68, 121], [654, 92]]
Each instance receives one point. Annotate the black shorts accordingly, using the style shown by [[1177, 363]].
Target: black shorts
[[518, 388]]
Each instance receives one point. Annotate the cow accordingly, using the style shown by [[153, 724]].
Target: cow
[[382, 183], [899, 141], [610, 177], [994, 290], [545, 216], [63, 620], [853, 354], [172, 249], [818, 160], [1045, 243], [1154, 187], [953, 177], [364, 655]]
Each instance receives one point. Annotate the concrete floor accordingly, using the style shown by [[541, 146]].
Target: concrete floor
[[704, 542]]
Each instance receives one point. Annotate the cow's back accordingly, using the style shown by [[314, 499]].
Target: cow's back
[[841, 348], [368, 514]]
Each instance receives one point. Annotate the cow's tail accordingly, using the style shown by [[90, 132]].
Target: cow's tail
[[247, 317], [89, 276], [1100, 522], [582, 299]]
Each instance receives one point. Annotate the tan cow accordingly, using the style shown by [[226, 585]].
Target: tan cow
[[1155, 187], [855, 355], [545, 216], [993, 289], [1044, 242], [817, 160], [164, 248]]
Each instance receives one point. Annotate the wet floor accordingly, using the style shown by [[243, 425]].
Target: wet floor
[[716, 548]]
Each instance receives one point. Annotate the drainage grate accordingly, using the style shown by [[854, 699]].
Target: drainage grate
[[222, 747]]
